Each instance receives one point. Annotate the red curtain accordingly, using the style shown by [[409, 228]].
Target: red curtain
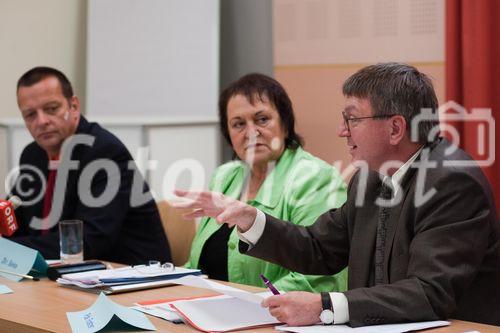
[[473, 72]]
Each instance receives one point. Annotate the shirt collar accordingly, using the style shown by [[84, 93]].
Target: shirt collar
[[397, 177]]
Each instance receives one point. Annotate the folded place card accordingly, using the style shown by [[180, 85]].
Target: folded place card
[[20, 259], [104, 313], [4, 289]]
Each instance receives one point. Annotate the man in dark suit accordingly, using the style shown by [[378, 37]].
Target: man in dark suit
[[77, 170], [419, 231]]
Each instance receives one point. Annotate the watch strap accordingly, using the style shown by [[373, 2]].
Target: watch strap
[[326, 301]]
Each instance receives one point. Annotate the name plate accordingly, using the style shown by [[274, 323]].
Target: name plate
[[106, 313], [20, 259]]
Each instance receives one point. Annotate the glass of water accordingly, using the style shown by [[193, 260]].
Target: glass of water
[[71, 241]]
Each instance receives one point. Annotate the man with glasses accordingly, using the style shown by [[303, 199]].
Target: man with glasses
[[418, 232]]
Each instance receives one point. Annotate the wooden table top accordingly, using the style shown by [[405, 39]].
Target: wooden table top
[[41, 306]]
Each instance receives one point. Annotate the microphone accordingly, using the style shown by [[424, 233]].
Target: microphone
[[8, 223]]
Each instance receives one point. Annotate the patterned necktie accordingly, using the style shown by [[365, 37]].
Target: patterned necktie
[[383, 216]]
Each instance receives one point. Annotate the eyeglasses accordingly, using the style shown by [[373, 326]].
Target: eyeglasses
[[154, 267], [347, 119]]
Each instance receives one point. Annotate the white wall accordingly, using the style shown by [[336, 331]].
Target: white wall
[[4, 163], [157, 62], [153, 58], [246, 44], [34, 33], [153, 62]]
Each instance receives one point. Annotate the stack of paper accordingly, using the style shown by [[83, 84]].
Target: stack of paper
[[236, 309], [223, 313], [161, 308], [124, 279]]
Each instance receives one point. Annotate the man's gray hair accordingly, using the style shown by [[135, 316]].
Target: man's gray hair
[[396, 89]]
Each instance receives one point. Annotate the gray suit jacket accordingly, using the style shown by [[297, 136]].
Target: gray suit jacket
[[442, 257]]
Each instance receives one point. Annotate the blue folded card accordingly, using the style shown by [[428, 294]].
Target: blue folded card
[[106, 313], [20, 259]]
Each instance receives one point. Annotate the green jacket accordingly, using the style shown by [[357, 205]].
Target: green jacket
[[299, 189]]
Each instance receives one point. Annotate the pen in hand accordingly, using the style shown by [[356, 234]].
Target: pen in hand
[[269, 285]]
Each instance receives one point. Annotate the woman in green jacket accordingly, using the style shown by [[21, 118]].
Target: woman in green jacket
[[272, 173]]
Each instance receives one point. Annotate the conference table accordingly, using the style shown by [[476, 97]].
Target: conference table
[[41, 306]]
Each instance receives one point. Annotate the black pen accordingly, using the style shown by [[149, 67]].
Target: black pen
[[269, 285]]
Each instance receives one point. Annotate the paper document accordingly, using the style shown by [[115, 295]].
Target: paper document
[[163, 311], [223, 313], [236, 309], [198, 282], [161, 308], [391, 328], [116, 289], [129, 274], [124, 279]]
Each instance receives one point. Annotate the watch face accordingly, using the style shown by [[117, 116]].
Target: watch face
[[326, 316]]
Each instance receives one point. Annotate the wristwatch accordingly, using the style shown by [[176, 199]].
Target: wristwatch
[[326, 315]]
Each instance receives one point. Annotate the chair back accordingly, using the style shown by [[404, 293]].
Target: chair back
[[180, 232]]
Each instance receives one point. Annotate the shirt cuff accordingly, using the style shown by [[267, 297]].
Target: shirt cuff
[[252, 235], [340, 308]]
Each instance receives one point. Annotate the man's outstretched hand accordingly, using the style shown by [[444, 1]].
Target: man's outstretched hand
[[212, 204]]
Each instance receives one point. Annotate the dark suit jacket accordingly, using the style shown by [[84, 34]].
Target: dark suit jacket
[[441, 257], [118, 231]]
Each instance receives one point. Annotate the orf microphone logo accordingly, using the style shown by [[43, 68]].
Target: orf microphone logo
[[8, 223]]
